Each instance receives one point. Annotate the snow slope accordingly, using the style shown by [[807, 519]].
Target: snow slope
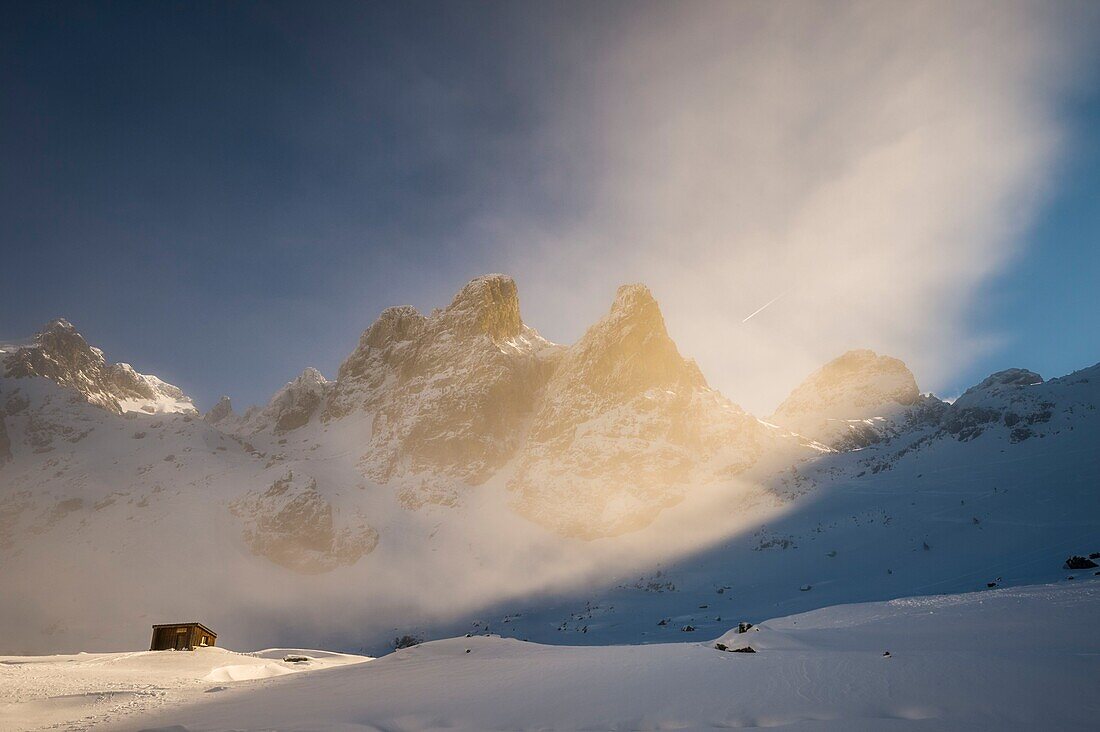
[[1020, 659], [949, 508], [89, 690]]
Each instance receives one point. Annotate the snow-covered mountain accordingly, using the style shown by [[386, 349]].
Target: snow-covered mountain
[[61, 355], [448, 395], [626, 426], [461, 471], [856, 400]]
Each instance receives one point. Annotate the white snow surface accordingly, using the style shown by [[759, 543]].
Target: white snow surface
[[87, 691], [167, 399], [1019, 659]]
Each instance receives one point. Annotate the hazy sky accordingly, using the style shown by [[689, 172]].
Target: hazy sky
[[225, 193]]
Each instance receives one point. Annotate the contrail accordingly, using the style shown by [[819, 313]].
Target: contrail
[[769, 302]]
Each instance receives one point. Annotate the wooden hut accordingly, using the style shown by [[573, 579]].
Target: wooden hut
[[181, 637]]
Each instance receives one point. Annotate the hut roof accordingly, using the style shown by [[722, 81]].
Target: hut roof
[[177, 625]]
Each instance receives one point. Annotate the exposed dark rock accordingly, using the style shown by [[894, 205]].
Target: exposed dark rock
[[1076, 562], [220, 411], [406, 641], [296, 403], [1019, 435]]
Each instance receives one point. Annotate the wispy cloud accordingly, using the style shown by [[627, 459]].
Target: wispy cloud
[[886, 157]]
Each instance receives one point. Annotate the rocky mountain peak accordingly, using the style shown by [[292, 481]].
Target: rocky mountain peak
[[1007, 378], [845, 393], [296, 403], [629, 351], [998, 390], [448, 393], [858, 384], [61, 354], [635, 299], [488, 304], [401, 323], [309, 376], [57, 352], [220, 411], [59, 325], [588, 468]]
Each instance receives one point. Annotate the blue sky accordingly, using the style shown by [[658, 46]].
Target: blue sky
[[1046, 306], [224, 194]]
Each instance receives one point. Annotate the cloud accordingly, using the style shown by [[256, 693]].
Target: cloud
[[878, 161]]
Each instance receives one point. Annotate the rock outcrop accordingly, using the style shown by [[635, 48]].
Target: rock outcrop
[[1008, 398], [292, 525], [295, 404], [220, 412]]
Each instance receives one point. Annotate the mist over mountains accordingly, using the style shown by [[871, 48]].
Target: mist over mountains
[[459, 462]]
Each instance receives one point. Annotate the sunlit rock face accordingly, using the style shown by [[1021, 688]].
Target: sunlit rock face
[[853, 400], [449, 393], [59, 353], [625, 424], [292, 525]]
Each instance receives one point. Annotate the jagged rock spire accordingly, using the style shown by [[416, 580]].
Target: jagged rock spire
[[488, 304], [220, 411], [629, 350]]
